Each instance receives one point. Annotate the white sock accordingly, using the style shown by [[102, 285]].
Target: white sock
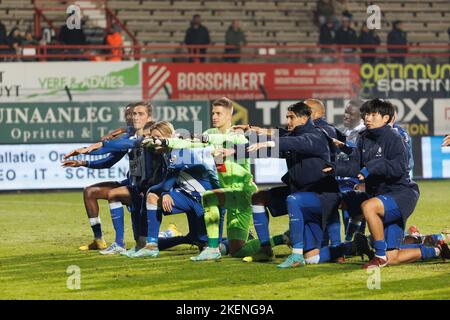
[[438, 252], [299, 251], [382, 257], [115, 205], [313, 260], [258, 209], [151, 206], [94, 221]]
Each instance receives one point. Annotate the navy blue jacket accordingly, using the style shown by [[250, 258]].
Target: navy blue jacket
[[408, 144], [332, 132], [382, 158], [329, 129], [306, 150]]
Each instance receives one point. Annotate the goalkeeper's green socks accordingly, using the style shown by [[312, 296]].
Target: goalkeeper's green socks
[[212, 220]]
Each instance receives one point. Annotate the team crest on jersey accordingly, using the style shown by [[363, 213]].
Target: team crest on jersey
[[379, 152]]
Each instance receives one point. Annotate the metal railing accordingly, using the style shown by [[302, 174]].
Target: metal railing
[[264, 52]]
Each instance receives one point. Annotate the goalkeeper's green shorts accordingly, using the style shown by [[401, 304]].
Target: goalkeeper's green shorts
[[239, 210]]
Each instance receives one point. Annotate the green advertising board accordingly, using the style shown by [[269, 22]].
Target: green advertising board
[[66, 122]]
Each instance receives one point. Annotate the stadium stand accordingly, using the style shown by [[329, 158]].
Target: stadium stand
[[275, 22]]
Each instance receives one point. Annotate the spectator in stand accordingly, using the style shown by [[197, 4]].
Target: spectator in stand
[[114, 39], [234, 37], [346, 35], [341, 8], [326, 37], [448, 31], [325, 11], [29, 39], [368, 37], [197, 34], [3, 40], [15, 41], [72, 37], [397, 37]]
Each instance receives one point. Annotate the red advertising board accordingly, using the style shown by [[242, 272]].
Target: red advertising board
[[183, 81]]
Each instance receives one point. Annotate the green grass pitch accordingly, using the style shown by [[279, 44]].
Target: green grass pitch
[[40, 234]]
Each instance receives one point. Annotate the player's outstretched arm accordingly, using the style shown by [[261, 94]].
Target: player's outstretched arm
[[113, 134], [249, 128], [74, 163], [84, 150]]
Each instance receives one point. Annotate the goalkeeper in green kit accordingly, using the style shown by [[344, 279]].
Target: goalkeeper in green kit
[[236, 190]]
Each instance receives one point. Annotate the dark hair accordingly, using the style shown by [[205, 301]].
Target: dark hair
[[385, 108], [143, 103], [396, 23], [300, 109]]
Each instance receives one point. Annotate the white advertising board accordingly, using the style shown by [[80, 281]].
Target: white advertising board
[[38, 166], [82, 81]]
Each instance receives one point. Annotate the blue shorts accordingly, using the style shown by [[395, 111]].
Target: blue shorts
[[277, 201], [311, 209], [313, 236], [393, 222], [184, 203], [312, 216], [125, 182]]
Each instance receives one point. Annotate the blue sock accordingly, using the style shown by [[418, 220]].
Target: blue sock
[[325, 255], [96, 226], [261, 223], [352, 227], [380, 248], [296, 222], [437, 237], [117, 213], [428, 252], [153, 223], [334, 233]]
